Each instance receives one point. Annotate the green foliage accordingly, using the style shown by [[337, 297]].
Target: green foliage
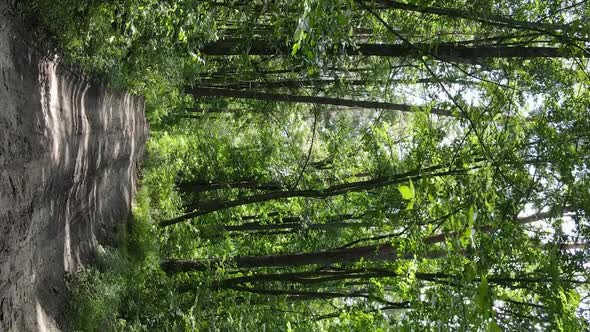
[[144, 47], [95, 292], [123, 285]]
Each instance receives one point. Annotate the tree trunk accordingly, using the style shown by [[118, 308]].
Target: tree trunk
[[490, 19], [289, 84], [317, 295], [314, 277], [209, 207], [378, 252], [198, 187], [199, 92], [278, 218], [295, 84], [256, 226], [444, 51], [365, 274], [349, 255]]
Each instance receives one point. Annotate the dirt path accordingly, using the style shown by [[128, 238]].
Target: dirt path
[[68, 161]]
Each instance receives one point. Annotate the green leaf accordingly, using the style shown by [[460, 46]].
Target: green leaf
[[483, 287], [295, 48], [493, 327], [483, 297], [466, 237], [182, 36], [469, 272], [406, 191]]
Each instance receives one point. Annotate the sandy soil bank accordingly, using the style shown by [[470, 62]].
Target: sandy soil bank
[[69, 151]]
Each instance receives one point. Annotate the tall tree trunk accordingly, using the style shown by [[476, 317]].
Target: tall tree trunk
[[293, 223], [372, 253], [227, 75], [490, 19], [450, 52], [349, 255], [378, 252], [276, 217], [256, 226], [198, 187], [318, 295], [199, 92], [209, 207], [314, 277], [295, 84], [289, 84]]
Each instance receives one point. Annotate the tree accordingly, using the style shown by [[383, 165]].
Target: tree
[[199, 92], [209, 207], [454, 53]]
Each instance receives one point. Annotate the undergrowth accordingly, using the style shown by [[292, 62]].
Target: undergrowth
[[114, 292], [148, 48], [119, 43], [115, 42], [125, 289]]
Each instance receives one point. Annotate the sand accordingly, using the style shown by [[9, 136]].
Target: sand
[[69, 155]]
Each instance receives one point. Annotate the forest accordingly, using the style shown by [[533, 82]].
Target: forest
[[343, 165]]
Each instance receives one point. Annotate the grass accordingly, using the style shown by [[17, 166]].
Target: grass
[[107, 295]]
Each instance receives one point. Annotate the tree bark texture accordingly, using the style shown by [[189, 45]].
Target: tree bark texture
[[209, 207], [446, 51], [200, 92]]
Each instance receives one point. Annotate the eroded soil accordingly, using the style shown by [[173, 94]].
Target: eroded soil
[[69, 151]]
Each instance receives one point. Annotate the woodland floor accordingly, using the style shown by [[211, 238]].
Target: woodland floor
[[69, 155]]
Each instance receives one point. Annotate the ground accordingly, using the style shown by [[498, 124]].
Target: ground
[[69, 155]]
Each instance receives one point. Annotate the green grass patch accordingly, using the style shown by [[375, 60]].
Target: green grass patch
[[112, 293]]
